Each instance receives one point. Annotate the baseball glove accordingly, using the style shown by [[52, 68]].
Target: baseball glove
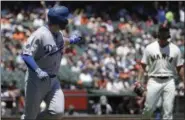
[[139, 89]]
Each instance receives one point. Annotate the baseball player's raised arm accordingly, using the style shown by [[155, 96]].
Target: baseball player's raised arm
[[73, 39], [29, 50]]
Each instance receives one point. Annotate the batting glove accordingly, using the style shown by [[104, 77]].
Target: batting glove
[[42, 74], [75, 38]]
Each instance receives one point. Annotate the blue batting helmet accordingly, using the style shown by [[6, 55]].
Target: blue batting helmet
[[58, 15]]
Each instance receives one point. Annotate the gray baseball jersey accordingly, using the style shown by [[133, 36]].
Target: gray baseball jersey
[[46, 49]]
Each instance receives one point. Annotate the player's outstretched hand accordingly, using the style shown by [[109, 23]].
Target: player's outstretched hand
[[42, 74]]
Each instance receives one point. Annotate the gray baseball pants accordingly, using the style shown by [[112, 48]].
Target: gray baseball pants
[[36, 91]]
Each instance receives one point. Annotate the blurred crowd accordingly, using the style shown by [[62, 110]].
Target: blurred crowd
[[109, 55]]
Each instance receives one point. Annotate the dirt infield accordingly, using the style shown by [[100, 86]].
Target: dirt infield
[[103, 117]]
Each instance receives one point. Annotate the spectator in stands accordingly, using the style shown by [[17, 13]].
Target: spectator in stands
[[93, 24], [75, 68], [181, 13], [19, 34], [84, 19], [38, 21], [20, 16], [102, 82], [109, 26], [149, 22], [71, 111], [115, 85], [161, 15], [9, 96], [3, 108], [170, 17], [77, 17], [85, 76], [103, 107], [180, 89]]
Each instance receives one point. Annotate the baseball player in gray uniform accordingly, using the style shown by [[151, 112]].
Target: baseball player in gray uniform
[[42, 54], [163, 60]]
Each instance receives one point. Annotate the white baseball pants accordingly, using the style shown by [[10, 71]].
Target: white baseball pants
[[157, 89]]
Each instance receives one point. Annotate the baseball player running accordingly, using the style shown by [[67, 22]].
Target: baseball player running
[[42, 54], [164, 61]]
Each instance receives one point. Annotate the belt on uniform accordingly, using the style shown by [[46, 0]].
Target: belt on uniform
[[161, 77], [52, 76]]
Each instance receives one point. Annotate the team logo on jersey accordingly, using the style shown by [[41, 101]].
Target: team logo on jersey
[[49, 48], [159, 57], [52, 49]]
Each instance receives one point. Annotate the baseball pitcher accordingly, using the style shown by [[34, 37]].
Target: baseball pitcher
[[42, 54], [164, 62]]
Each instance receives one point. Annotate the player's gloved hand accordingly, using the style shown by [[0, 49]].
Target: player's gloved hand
[[139, 89], [42, 74], [75, 38]]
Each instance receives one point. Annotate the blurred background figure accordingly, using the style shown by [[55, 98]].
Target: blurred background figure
[[71, 111], [103, 107], [9, 98], [128, 105]]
